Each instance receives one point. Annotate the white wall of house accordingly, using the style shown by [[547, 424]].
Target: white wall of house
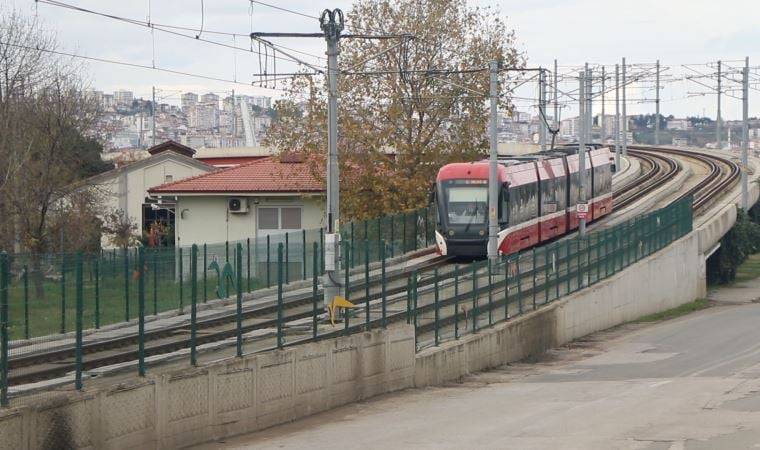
[[206, 219], [128, 188]]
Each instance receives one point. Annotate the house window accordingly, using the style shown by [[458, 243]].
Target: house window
[[291, 218], [268, 218], [285, 218], [168, 178]]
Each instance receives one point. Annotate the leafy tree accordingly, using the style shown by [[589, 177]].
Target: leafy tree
[[414, 112]]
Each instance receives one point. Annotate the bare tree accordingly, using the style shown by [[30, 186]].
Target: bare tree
[[44, 114]]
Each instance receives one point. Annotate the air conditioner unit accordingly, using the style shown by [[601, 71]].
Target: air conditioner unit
[[237, 205]]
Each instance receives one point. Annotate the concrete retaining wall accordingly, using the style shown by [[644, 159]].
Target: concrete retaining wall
[[173, 409], [176, 408], [671, 277]]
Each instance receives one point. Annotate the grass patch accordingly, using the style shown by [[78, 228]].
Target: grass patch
[[749, 269], [678, 311]]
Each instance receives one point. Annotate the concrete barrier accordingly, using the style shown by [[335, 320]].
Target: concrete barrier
[[185, 406], [674, 276]]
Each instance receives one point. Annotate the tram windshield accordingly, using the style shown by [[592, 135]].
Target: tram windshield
[[467, 205]]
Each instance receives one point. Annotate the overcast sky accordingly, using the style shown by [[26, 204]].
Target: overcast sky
[[574, 31]]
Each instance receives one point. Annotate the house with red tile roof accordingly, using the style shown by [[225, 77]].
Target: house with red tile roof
[[269, 196]]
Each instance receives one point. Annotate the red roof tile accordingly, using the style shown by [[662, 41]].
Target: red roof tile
[[264, 175]]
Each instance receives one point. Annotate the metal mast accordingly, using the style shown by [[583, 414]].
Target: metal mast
[[582, 149], [617, 117], [717, 119], [493, 185], [331, 23], [657, 104], [624, 118], [745, 132]]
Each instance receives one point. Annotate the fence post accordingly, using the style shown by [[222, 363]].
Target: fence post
[[287, 259], [269, 278], [474, 297], [155, 281], [416, 218], [436, 299], [427, 226], [392, 237], [181, 282], [79, 271], [490, 293], [193, 304], [533, 285], [409, 299], [314, 284], [506, 288], [303, 247], [247, 263], [349, 256], [366, 282], [26, 300], [383, 298], [4, 285], [141, 312], [239, 306], [456, 301], [404, 246], [547, 285], [321, 250], [279, 295], [126, 284], [63, 293], [414, 302], [519, 285], [205, 275]]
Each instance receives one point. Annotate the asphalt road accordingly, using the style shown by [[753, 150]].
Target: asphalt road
[[687, 383]]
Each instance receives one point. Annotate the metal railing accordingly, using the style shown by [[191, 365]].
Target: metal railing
[[442, 301]]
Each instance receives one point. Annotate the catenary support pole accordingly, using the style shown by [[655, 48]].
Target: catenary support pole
[[617, 117], [745, 132], [718, 144], [153, 119], [582, 117], [603, 132], [331, 23], [542, 121], [657, 104], [556, 96], [493, 189], [589, 106], [624, 118]]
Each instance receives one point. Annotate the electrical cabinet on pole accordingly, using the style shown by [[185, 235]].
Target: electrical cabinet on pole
[[493, 182], [582, 152], [745, 132], [331, 23]]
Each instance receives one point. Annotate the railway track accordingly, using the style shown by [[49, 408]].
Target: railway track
[[55, 363], [297, 308]]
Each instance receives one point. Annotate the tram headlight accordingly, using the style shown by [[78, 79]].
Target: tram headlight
[[451, 232], [482, 232]]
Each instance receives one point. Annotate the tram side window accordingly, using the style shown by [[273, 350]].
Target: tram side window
[[602, 180]]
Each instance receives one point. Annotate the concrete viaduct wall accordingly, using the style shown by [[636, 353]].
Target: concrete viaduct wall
[[181, 407]]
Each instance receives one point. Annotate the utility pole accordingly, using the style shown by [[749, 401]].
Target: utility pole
[[153, 110], [617, 117], [717, 119], [625, 117], [556, 96], [602, 118], [582, 153], [493, 183], [542, 122], [745, 132], [331, 23], [234, 119], [589, 117], [657, 104]]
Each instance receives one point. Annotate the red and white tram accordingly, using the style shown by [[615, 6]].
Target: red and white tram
[[538, 200]]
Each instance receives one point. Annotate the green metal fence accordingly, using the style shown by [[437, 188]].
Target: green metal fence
[[83, 292]]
